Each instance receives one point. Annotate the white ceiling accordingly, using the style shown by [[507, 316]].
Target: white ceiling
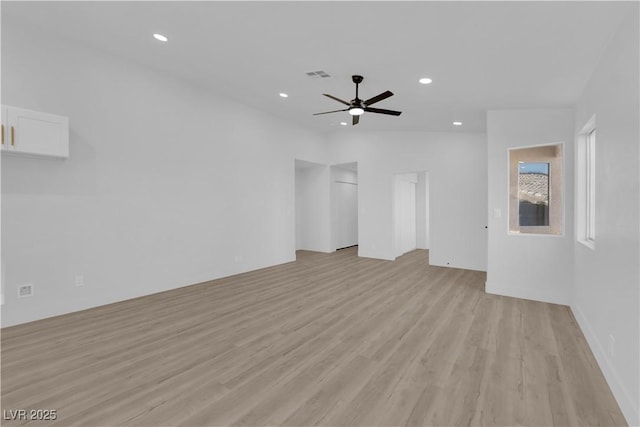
[[480, 55]]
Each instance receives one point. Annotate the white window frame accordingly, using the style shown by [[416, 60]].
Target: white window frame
[[556, 197], [586, 185]]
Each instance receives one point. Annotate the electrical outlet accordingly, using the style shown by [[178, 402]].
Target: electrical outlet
[[612, 345], [79, 281], [25, 290]]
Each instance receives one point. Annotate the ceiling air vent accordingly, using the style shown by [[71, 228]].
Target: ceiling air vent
[[318, 74]]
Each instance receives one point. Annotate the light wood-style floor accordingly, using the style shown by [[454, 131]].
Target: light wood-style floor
[[331, 339]]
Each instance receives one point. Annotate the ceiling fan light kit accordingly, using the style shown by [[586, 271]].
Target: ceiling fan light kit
[[356, 107]]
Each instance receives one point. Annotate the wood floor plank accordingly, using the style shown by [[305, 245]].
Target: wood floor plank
[[347, 380], [327, 340]]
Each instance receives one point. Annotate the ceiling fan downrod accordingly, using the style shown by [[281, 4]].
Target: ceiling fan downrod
[[357, 80]]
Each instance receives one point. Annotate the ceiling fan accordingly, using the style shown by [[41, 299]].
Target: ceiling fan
[[356, 107]]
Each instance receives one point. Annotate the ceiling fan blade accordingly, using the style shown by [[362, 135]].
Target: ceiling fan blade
[[356, 120], [336, 99], [327, 112], [378, 98], [382, 111]]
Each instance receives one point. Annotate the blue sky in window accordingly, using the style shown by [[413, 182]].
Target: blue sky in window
[[533, 167]]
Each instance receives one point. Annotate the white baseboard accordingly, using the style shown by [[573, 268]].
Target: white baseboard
[[628, 406], [461, 267], [542, 295]]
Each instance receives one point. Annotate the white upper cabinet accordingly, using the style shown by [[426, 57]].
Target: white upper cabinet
[[33, 133]]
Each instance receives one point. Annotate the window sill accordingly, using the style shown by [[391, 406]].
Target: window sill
[[517, 233]]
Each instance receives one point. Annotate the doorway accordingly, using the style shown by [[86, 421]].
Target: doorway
[[344, 190], [312, 206], [410, 212]]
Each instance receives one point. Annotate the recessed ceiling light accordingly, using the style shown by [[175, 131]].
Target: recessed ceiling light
[[343, 123], [283, 95], [425, 80], [160, 37], [457, 123]]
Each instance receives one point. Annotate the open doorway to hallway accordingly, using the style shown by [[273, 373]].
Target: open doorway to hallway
[[312, 206], [344, 195], [410, 211]]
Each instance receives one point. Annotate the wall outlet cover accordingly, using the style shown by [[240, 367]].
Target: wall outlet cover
[[79, 281], [25, 290]]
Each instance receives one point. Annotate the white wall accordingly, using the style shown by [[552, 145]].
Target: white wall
[[458, 190], [422, 211], [606, 292], [312, 207], [535, 267], [167, 184], [341, 173]]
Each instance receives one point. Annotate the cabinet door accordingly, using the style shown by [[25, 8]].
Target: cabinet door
[[5, 128], [42, 134]]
